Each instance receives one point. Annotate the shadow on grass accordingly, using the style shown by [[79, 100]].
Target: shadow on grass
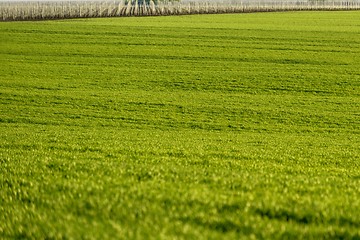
[[219, 225], [306, 218]]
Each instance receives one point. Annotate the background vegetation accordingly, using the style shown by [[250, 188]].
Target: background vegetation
[[182, 127], [40, 10]]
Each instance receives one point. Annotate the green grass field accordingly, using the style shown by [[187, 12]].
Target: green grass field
[[182, 127]]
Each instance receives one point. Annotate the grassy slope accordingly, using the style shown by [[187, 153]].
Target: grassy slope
[[181, 127]]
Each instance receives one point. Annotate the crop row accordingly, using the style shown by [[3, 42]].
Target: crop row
[[12, 11]]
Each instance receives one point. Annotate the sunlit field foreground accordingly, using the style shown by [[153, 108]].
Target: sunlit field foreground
[[40, 10], [181, 127]]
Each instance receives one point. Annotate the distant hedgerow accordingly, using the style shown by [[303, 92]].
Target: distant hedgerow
[[31, 10]]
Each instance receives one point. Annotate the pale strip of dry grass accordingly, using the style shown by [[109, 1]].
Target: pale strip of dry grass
[[31, 10]]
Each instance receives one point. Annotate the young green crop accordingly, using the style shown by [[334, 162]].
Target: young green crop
[[189, 127]]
